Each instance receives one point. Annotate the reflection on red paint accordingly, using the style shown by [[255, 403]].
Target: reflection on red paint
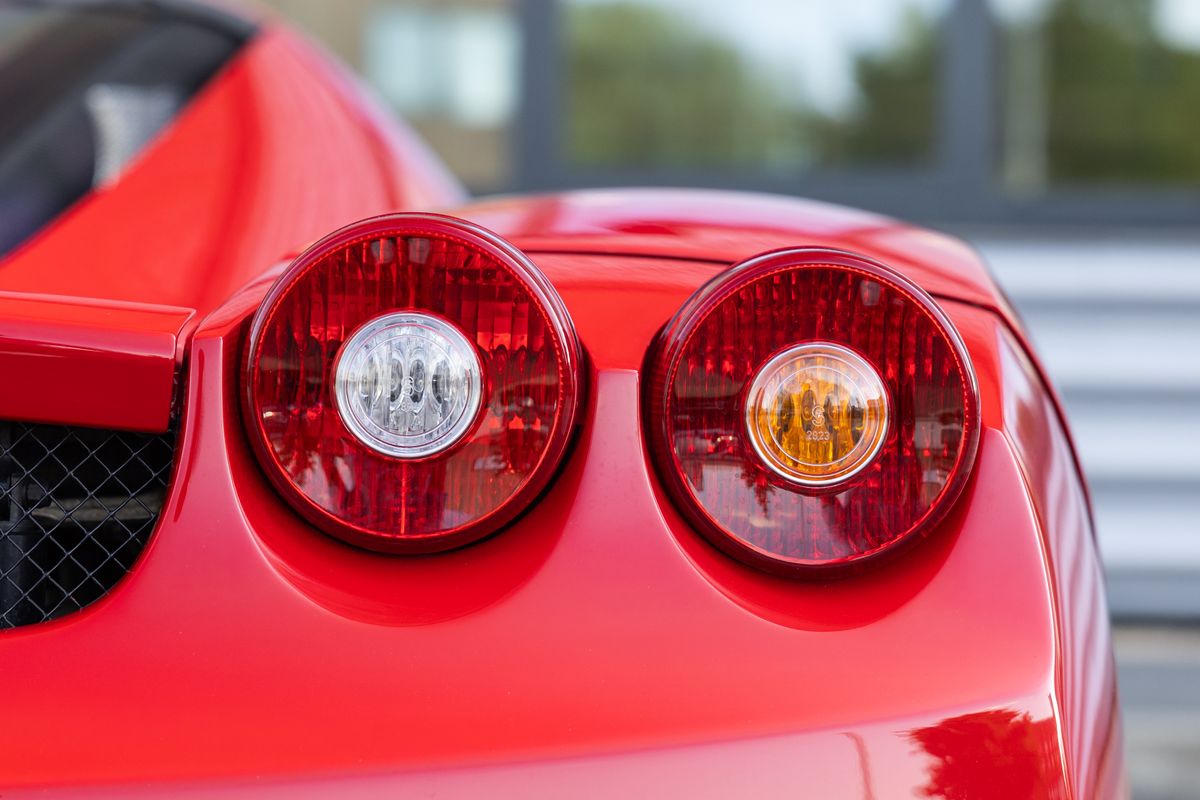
[[992, 754]]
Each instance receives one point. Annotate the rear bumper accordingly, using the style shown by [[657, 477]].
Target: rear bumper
[[597, 647], [992, 754]]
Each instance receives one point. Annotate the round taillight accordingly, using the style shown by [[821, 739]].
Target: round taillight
[[810, 409], [411, 383]]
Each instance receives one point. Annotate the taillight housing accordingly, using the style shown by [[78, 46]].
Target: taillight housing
[[810, 410], [411, 383]]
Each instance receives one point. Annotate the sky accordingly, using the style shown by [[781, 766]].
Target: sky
[[1178, 22]]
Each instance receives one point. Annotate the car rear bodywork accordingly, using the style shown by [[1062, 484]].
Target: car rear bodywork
[[597, 646]]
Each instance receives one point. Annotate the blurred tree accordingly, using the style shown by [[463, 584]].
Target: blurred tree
[[1121, 102], [1108, 99], [1124, 105], [648, 88], [894, 116]]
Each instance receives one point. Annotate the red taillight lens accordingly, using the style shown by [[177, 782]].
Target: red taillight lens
[[811, 409], [411, 383]]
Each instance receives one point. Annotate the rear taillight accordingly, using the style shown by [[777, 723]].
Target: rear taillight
[[811, 409], [411, 383]]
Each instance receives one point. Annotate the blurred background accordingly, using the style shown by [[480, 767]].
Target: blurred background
[[1062, 137]]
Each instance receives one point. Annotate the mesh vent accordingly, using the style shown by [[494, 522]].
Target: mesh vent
[[76, 508]]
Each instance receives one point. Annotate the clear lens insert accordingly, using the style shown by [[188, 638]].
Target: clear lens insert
[[408, 384], [817, 413]]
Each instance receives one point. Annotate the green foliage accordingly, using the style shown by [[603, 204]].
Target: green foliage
[[647, 87], [895, 118], [1124, 106]]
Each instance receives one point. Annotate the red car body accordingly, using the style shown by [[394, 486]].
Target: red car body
[[595, 647]]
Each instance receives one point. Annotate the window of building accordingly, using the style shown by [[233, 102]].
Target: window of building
[[759, 85], [452, 70]]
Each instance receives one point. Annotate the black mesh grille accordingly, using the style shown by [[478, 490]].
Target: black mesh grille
[[76, 508]]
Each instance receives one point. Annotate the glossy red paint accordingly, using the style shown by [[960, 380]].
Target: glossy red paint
[[955, 757], [1093, 745], [726, 227], [101, 363], [597, 646], [575, 634]]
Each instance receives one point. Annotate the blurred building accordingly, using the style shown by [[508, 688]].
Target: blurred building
[[1062, 136]]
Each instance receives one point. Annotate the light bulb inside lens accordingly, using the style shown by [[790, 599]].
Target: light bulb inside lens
[[408, 384], [817, 413]]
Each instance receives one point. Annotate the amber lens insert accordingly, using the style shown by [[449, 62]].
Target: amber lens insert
[[817, 413]]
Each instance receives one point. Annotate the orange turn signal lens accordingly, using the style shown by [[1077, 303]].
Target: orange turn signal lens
[[817, 413]]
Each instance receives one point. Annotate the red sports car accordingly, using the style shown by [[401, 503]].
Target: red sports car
[[316, 479]]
